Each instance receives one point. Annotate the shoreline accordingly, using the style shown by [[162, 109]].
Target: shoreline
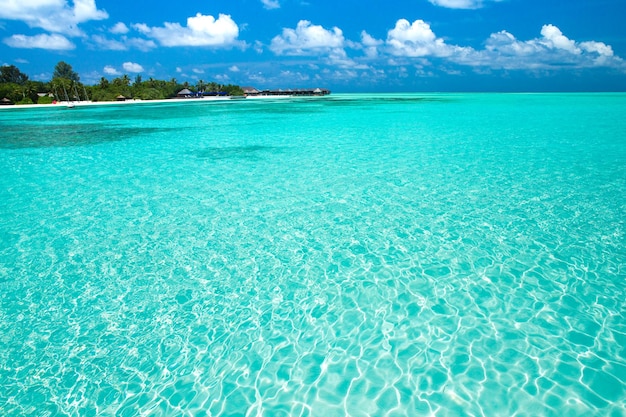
[[74, 104], [66, 105]]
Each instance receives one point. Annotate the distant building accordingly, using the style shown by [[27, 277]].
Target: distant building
[[251, 91]]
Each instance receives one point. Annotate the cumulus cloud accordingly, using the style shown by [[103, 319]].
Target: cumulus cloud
[[461, 4], [553, 38], [307, 39], [55, 16], [119, 29], [370, 45], [502, 50], [109, 70], [552, 50], [416, 40], [132, 67], [599, 48], [234, 68], [270, 4], [54, 42], [201, 30]]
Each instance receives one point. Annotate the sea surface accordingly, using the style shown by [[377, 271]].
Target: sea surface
[[349, 255]]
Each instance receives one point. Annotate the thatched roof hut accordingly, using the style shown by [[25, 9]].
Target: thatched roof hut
[[120, 98], [185, 92], [5, 101], [250, 91]]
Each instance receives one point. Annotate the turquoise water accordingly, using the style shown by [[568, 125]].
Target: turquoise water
[[388, 255]]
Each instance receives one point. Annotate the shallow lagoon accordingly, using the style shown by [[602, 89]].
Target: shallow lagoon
[[444, 254]]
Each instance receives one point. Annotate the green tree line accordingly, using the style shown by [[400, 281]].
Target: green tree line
[[17, 88]]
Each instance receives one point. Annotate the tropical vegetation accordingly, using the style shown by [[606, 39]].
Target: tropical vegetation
[[17, 88]]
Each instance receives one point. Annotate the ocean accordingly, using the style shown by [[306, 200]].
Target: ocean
[[349, 255]]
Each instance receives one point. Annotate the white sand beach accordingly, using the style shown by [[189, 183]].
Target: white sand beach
[[66, 104]]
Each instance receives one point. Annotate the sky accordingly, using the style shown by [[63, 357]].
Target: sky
[[342, 45]]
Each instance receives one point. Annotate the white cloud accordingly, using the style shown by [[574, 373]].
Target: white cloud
[[504, 44], [461, 4], [234, 68], [551, 50], [553, 38], [338, 57], [132, 67], [108, 44], [141, 44], [294, 77], [54, 42], [597, 47], [85, 10], [502, 50], [201, 30], [309, 39], [417, 39], [123, 44], [270, 4], [119, 29], [258, 47], [141, 27], [370, 45], [306, 39], [55, 16], [111, 70], [197, 71]]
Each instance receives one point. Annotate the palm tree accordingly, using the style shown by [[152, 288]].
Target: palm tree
[[19, 90], [61, 86], [30, 91], [200, 86]]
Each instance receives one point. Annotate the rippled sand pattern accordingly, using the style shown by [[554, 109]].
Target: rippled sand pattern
[[447, 255]]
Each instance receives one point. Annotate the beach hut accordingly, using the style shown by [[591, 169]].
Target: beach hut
[[185, 93], [120, 98], [5, 101], [250, 91]]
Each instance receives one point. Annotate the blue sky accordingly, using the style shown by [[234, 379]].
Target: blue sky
[[344, 45]]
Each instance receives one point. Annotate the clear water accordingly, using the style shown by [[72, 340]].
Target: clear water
[[349, 255]]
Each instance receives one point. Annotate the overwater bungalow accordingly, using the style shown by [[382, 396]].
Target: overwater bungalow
[[251, 91]]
